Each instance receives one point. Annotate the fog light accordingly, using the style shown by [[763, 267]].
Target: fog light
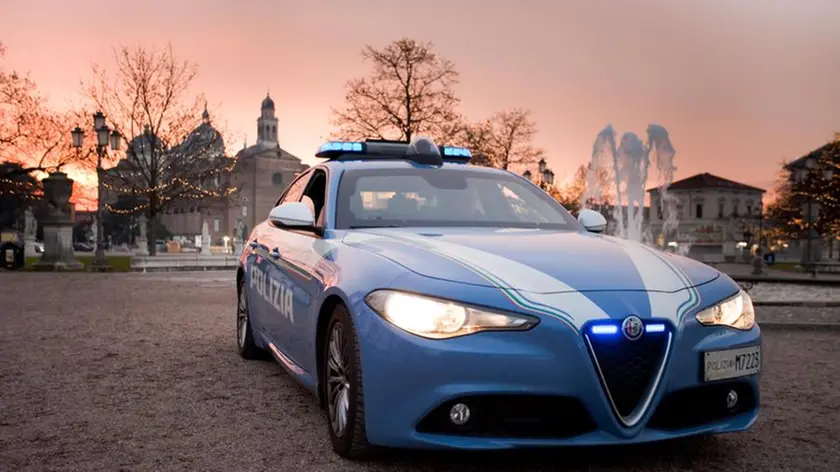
[[731, 400], [459, 414]]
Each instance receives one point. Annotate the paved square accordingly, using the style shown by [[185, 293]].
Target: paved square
[[140, 372]]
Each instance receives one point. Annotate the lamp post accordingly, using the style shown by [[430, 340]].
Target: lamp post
[[104, 138], [804, 176], [747, 238], [546, 175], [758, 260]]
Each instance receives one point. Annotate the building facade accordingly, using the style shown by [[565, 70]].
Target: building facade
[[714, 218], [260, 174]]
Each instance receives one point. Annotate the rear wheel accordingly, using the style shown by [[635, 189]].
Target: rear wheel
[[248, 349], [343, 388]]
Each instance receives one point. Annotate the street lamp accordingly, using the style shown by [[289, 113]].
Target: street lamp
[[115, 140], [98, 120], [78, 136], [104, 138], [546, 175]]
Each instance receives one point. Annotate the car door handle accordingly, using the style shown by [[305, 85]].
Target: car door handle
[[275, 253]]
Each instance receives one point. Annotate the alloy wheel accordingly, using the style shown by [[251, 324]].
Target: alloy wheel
[[338, 385], [242, 318]]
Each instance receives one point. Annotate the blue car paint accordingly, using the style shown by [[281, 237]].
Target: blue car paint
[[406, 376]]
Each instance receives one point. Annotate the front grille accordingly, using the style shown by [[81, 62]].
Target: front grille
[[700, 405], [513, 416], [628, 369]]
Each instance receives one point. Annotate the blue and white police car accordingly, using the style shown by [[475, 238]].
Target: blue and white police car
[[429, 303]]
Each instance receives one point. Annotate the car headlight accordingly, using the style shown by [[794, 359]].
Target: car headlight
[[435, 318], [736, 312]]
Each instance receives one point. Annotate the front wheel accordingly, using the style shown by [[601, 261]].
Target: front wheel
[[248, 349], [343, 388]]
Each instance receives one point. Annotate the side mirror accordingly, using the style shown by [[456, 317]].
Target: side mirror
[[293, 215], [592, 221]]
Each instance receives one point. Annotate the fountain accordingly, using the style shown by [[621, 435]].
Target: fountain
[[622, 172]]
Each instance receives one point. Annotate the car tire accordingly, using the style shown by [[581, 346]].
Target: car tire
[[248, 349], [342, 387]]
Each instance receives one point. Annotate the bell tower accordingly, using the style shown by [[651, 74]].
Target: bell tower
[[267, 124]]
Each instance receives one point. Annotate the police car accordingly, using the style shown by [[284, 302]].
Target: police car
[[429, 303]]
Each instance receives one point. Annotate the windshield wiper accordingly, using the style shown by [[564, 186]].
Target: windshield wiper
[[373, 226]]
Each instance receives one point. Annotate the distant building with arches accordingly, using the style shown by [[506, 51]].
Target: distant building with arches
[[714, 215], [261, 173]]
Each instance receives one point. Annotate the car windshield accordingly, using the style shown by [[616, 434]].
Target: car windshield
[[449, 197]]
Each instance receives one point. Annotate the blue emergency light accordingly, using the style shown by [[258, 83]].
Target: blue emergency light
[[612, 329], [453, 151], [372, 149], [345, 146], [604, 329]]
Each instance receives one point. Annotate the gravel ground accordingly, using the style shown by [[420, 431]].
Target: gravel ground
[[797, 314], [139, 372], [798, 292]]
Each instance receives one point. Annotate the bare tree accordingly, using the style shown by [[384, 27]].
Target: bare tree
[[513, 139], [573, 193], [18, 105], [478, 138], [408, 93], [31, 134], [173, 153], [505, 140]]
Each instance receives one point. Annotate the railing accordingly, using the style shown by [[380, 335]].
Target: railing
[[827, 267], [185, 261]]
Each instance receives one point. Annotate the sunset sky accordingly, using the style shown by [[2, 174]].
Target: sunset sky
[[740, 84]]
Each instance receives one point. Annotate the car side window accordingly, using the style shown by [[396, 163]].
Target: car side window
[[295, 190], [315, 196]]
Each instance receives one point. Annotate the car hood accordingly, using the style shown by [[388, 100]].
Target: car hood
[[537, 261]]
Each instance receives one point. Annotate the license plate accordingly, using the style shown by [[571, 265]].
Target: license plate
[[731, 363]]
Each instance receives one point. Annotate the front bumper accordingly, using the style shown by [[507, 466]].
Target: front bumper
[[545, 374]]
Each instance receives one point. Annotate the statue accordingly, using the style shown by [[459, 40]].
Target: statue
[[238, 237], [30, 226], [142, 242], [205, 239], [141, 223], [94, 232]]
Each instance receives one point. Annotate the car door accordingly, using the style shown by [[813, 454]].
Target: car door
[[302, 262], [256, 267], [283, 298]]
